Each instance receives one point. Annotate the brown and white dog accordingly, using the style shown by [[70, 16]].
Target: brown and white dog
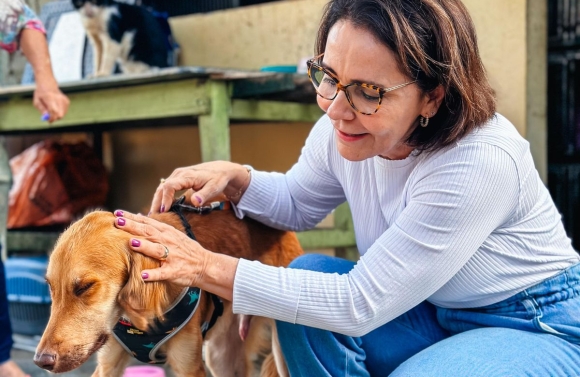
[[124, 34], [95, 279]]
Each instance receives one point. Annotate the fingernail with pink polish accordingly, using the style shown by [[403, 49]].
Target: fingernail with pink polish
[[119, 213], [121, 221], [162, 208], [198, 199], [135, 243], [145, 275]]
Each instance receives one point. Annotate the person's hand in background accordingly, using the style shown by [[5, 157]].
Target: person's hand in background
[[48, 98]]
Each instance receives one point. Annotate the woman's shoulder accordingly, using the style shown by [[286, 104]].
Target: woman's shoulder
[[484, 146], [498, 133]]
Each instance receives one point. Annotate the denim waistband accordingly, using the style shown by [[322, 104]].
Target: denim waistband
[[562, 286]]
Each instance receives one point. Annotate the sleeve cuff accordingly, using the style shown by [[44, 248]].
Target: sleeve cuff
[[266, 291], [256, 195]]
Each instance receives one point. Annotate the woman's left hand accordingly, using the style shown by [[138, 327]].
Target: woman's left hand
[[184, 260]]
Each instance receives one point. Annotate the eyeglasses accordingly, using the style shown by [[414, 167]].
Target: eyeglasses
[[364, 98]]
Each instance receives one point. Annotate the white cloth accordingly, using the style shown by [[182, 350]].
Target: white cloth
[[466, 226]]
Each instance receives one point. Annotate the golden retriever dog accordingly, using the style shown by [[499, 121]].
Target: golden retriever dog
[[95, 280]]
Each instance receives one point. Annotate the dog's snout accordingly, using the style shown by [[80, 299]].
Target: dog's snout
[[45, 360]]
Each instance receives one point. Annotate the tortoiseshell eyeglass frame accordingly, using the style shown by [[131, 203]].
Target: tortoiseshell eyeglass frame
[[381, 91]]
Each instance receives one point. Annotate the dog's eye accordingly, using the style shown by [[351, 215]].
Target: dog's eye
[[80, 289]]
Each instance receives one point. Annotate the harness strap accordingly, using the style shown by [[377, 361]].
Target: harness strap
[[177, 207], [217, 312]]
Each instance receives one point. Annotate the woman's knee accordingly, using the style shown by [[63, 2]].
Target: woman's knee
[[500, 352]]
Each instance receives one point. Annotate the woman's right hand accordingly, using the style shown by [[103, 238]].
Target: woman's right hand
[[208, 180]]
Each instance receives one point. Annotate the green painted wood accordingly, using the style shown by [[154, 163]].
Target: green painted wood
[[263, 85], [214, 129], [326, 239], [341, 236], [343, 217], [151, 101], [5, 183], [31, 242], [349, 253], [274, 111]]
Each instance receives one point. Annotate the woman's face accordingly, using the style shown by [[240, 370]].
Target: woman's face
[[355, 55]]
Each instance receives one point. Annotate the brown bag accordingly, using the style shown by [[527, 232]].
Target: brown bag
[[53, 183]]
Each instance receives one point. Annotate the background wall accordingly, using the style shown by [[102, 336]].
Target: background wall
[[512, 40], [511, 34], [141, 158]]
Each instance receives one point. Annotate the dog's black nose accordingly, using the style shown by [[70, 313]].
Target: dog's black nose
[[45, 360]]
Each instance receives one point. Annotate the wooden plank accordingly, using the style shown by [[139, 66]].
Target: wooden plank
[[5, 183], [263, 85], [274, 111], [31, 242], [152, 101], [214, 129], [326, 239], [341, 236], [118, 80]]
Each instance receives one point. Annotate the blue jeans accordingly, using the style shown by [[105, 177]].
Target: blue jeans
[[5, 329], [533, 333]]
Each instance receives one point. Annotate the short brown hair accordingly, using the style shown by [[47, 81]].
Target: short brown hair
[[435, 42]]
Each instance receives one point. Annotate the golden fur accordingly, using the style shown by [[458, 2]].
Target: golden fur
[[95, 278]]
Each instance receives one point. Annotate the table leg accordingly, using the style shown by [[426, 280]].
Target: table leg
[[214, 128], [5, 183]]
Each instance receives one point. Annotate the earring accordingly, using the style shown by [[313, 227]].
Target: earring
[[423, 121]]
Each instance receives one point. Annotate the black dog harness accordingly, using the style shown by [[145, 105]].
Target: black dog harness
[[177, 207], [144, 345]]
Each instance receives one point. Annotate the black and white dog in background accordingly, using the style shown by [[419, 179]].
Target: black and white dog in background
[[127, 34]]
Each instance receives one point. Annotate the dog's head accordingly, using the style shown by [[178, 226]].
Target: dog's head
[[93, 277]]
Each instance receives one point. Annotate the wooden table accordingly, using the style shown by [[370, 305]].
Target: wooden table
[[215, 97]]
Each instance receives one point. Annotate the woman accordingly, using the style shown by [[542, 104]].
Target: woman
[[19, 25], [465, 267]]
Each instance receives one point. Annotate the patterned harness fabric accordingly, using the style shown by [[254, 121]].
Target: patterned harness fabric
[[144, 345]]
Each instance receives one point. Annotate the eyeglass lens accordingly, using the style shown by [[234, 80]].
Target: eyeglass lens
[[363, 99]]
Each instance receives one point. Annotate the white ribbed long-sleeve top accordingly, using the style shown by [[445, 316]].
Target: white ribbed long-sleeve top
[[466, 226]]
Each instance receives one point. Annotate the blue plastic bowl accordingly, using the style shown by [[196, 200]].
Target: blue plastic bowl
[[279, 68]]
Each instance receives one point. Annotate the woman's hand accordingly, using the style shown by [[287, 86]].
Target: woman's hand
[[47, 96], [209, 180], [185, 261]]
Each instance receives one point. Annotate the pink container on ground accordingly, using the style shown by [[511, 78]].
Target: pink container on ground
[[144, 371]]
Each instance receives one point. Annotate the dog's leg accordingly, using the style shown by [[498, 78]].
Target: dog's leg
[[111, 51], [184, 352], [224, 350], [97, 52], [112, 360], [277, 353]]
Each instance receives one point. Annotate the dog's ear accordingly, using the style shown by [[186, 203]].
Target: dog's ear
[[142, 301]]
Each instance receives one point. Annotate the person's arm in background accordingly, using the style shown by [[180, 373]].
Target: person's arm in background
[[20, 25], [47, 96]]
